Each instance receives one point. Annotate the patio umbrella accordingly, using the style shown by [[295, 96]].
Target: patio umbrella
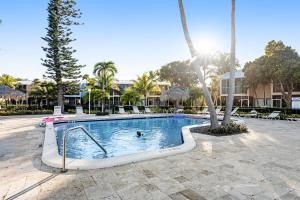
[[5, 90], [10, 93]]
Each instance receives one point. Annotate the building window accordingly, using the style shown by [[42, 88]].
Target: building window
[[225, 84], [277, 101], [240, 86]]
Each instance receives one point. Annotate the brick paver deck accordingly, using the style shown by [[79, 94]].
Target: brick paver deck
[[262, 164]]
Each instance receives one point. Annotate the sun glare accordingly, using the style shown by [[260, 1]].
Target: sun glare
[[206, 45]]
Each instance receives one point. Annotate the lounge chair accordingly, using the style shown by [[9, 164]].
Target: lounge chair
[[136, 110], [252, 113], [204, 111], [179, 110], [57, 115], [121, 110], [148, 110], [109, 111], [79, 110], [57, 111], [218, 110], [233, 113], [273, 115]]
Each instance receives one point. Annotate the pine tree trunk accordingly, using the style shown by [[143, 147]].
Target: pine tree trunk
[[230, 97], [60, 96]]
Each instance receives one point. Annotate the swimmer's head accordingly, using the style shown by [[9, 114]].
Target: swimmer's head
[[139, 133]]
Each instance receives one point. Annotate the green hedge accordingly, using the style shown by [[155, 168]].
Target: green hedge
[[25, 112]]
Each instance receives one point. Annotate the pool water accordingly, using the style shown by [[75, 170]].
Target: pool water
[[119, 137]]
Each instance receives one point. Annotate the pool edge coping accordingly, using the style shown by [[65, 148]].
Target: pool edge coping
[[51, 157]]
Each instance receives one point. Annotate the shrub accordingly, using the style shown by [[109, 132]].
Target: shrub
[[230, 129], [71, 111], [189, 111], [102, 113], [25, 112]]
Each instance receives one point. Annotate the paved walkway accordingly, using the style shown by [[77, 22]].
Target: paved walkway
[[263, 164]]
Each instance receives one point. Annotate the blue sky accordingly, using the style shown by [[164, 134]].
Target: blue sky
[[142, 35]]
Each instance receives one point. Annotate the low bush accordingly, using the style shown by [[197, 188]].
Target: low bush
[[189, 111], [285, 116], [102, 113], [230, 129], [71, 111], [26, 112]]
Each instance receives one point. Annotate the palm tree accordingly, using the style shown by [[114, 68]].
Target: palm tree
[[104, 70], [144, 85], [130, 97], [196, 63], [229, 101], [8, 80], [222, 63], [37, 92]]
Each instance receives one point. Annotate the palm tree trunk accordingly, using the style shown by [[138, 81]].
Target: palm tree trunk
[[230, 97], [185, 30], [207, 95], [196, 66], [102, 99]]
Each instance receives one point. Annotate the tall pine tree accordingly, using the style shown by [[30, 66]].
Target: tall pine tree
[[59, 61]]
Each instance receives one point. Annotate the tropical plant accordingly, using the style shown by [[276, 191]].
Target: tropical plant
[[96, 93], [105, 72], [8, 80], [179, 73], [40, 90], [231, 88], [130, 97], [144, 85], [59, 62], [196, 63]]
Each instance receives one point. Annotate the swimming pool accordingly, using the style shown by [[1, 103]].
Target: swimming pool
[[163, 135], [119, 136]]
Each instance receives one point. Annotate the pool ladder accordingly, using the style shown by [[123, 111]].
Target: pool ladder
[[65, 144]]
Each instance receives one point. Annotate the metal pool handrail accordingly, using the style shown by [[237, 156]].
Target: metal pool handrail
[[65, 142]]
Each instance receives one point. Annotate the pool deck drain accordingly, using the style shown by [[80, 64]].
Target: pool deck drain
[[263, 164]]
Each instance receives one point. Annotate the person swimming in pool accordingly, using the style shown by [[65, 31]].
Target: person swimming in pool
[[139, 133]]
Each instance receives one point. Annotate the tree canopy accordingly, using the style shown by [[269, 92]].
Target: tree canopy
[[8, 80], [130, 97], [59, 62], [280, 65], [179, 73]]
